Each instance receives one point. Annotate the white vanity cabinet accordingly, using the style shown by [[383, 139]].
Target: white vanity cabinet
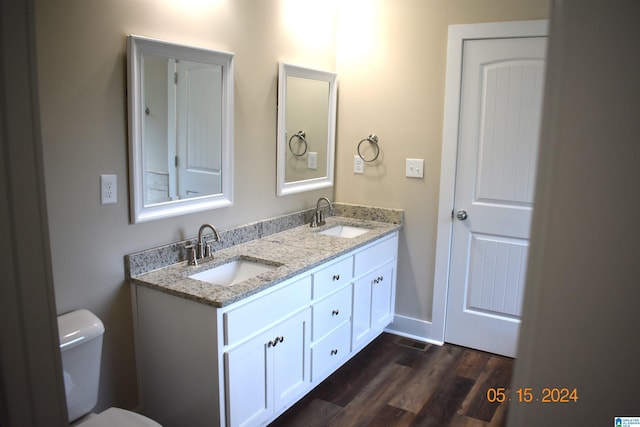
[[246, 363]]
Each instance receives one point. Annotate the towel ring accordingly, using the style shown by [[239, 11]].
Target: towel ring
[[373, 139], [302, 136]]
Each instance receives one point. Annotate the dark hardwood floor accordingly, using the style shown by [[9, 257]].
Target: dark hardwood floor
[[399, 382]]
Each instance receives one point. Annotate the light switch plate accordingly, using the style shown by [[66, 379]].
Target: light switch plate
[[415, 168]]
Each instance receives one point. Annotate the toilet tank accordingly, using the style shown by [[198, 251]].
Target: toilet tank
[[80, 334]]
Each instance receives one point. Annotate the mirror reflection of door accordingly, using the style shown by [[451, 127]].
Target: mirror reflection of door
[[199, 129], [182, 129]]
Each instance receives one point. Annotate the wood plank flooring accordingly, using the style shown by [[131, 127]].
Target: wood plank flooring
[[396, 382]]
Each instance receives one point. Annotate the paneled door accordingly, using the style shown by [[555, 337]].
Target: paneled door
[[500, 108], [199, 129]]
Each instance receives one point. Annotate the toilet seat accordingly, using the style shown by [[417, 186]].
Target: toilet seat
[[116, 417]]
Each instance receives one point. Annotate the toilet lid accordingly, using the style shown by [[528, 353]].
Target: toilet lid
[[116, 417]]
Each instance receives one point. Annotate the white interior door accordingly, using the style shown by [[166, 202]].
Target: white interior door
[[500, 106], [199, 129]]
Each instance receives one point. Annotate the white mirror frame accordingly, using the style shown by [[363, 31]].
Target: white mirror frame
[[136, 47], [283, 187]]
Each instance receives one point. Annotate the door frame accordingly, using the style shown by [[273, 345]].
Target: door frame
[[458, 34]]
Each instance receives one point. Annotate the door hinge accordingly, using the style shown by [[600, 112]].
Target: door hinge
[[175, 78], [175, 161]]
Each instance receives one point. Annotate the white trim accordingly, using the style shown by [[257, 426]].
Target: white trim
[[409, 327], [457, 35]]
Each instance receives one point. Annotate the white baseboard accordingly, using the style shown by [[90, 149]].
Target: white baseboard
[[419, 330]]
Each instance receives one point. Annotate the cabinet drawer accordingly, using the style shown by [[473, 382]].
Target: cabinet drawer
[[376, 255], [330, 351], [332, 277], [242, 322], [331, 312]]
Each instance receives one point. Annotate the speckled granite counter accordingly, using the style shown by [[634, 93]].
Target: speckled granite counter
[[292, 251]]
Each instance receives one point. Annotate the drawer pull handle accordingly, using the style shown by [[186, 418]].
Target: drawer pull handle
[[335, 312], [334, 352], [378, 279], [275, 342], [336, 277]]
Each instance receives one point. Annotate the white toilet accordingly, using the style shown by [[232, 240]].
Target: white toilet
[[81, 348]]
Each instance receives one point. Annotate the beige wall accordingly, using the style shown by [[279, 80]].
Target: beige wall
[[391, 82], [392, 77], [82, 78]]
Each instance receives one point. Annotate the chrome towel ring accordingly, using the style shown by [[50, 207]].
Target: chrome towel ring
[[302, 136], [373, 139]]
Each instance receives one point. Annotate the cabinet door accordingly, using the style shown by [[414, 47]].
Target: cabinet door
[[291, 361], [247, 376], [372, 304], [361, 317], [382, 298], [268, 372]]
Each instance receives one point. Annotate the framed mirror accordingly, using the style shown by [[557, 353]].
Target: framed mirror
[[180, 128], [306, 129]]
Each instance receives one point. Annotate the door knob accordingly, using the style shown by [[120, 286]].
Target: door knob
[[462, 215]]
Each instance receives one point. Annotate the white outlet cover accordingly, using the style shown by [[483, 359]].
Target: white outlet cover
[[108, 189]]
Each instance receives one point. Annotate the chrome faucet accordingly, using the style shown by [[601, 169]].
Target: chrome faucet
[[203, 248], [318, 218]]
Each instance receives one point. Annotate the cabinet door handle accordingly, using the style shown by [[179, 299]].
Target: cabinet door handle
[[378, 279], [335, 312], [334, 352], [275, 341], [336, 277]]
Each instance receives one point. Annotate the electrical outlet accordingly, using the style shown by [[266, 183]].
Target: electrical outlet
[[358, 164], [108, 189], [414, 168]]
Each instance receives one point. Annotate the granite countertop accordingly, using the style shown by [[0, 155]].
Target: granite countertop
[[293, 252]]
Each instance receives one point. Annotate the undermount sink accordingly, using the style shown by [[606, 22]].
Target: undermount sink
[[233, 272], [346, 231]]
